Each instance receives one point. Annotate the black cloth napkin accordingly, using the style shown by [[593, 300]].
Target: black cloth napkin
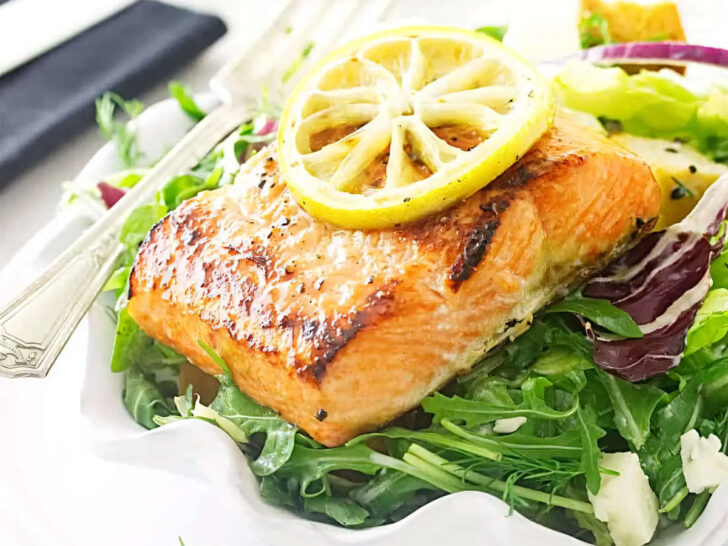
[[51, 98]]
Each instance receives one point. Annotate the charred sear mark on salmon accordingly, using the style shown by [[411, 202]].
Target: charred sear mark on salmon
[[189, 236], [477, 243], [144, 252], [256, 256], [533, 166], [328, 337]]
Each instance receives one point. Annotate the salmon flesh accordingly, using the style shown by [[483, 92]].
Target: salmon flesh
[[342, 331]]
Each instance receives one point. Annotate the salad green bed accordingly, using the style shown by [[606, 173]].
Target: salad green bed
[[574, 411], [652, 104]]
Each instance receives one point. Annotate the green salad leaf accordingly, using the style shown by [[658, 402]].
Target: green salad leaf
[[495, 32], [633, 407], [252, 418], [601, 312], [475, 413], [121, 133], [342, 510], [135, 349], [139, 222], [593, 30], [574, 412], [652, 104], [711, 322], [143, 399], [590, 452], [185, 100]]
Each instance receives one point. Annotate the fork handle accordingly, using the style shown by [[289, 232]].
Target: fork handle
[[35, 326]]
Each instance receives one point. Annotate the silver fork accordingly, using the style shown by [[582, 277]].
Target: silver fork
[[35, 326]]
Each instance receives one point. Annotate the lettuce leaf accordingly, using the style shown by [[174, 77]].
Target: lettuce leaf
[[652, 104], [711, 322]]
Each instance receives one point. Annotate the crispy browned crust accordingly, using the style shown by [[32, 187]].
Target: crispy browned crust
[[360, 326]]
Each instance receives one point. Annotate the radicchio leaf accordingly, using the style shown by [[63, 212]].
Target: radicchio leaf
[[661, 283], [110, 194]]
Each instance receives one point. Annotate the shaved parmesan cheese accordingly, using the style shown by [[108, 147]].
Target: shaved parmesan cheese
[[625, 502], [704, 465], [506, 426]]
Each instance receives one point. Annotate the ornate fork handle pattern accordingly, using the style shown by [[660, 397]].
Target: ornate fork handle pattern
[[35, 326]]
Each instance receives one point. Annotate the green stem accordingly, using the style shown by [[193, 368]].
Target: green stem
[[418, 454], [458, 445], [675, 501], [441, 480], [697, 508]]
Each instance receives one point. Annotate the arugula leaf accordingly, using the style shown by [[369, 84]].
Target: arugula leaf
[[601, 312], [712, 382], [342, 510], [143, 399], [121, 133], [307, 465], [597, 528], [546, 334], [633, 407], [660, 455], [251, 418], [387, 491], [475, 413], [495, 32], [564, 446], [185, 100], [590, 452]]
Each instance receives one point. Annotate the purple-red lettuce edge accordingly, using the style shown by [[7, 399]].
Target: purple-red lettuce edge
[[661, 282], [110, 195], [663, 52]]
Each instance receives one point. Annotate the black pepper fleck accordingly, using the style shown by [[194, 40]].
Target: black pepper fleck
[[693, 169], [640, 222], [671, 150], [678, 193], [321, 414]]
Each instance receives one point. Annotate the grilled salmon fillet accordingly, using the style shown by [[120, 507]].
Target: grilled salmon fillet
[[341, 331]]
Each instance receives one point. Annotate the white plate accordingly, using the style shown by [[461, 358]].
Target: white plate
[[87, 474], [193, 449], [199, 450]]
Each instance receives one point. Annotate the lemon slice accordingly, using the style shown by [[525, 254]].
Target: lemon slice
[[406, 122]]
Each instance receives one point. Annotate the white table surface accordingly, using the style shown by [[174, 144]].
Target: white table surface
[[102, 505]]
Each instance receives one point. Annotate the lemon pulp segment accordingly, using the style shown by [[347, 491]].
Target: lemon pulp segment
[[404, 123]]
